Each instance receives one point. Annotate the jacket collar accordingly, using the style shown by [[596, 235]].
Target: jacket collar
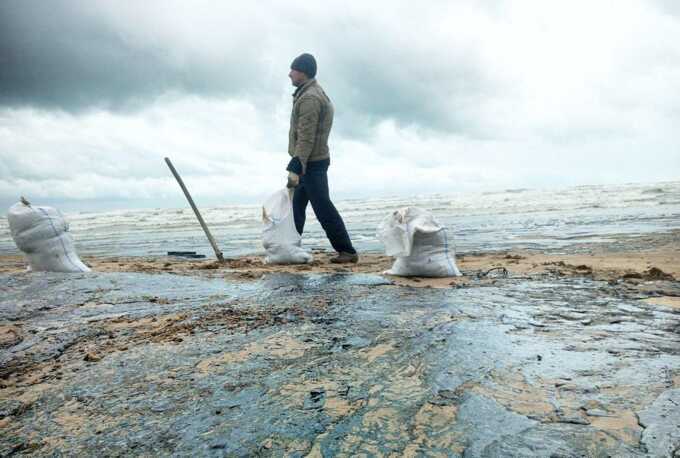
[[301, 90]]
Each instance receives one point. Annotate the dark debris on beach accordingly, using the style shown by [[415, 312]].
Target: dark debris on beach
[[337, 364]]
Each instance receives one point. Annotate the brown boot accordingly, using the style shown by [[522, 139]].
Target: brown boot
[[345, 258]]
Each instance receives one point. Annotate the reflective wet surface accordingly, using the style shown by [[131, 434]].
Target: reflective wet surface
[[337, 365]]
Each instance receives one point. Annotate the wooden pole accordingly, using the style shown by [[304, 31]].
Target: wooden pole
[[218, 253]]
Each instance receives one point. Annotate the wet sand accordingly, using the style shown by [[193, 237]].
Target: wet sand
[[566, 353], [630, 258]]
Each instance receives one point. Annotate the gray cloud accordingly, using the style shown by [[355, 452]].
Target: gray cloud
[[448, 94], [671, 7], [69, 55], [81, 55], [408, 86]]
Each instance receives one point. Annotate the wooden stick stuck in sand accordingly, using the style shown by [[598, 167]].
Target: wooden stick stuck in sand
[[218, 253]]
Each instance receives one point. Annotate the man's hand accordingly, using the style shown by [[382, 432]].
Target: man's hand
[[293, 180]]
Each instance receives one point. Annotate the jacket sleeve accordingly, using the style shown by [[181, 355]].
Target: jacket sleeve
[[307, 125]]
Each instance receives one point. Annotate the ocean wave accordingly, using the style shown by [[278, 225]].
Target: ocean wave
[[654, 191], [482, 220]]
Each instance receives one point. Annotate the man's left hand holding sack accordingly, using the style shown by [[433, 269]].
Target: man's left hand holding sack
[[294, 171]]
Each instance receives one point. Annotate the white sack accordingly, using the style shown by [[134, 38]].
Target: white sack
[[279, 236], [420, 245], [41, 233]]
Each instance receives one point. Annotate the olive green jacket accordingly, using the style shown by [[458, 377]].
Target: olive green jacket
[[310, 124]]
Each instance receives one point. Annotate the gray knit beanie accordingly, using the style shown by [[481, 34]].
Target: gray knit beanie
[[306, 64]]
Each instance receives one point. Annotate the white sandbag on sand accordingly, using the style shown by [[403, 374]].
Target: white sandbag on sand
[[279, 236], [419, 243], [41, 233]]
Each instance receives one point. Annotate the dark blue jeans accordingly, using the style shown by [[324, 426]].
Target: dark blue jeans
[[313, 188]]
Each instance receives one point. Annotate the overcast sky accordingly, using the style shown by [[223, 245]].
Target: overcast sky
[[429, 96]]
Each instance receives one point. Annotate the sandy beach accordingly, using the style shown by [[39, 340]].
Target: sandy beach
[[649, 257], [154, 155], [388, 364]]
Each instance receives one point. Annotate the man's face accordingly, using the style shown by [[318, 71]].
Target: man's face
[[297, 78]]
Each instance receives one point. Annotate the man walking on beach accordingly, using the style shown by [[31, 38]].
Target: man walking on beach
[[310, 125]]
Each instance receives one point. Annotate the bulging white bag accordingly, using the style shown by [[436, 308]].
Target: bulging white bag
[[41, 233], [279, 236], [419, 244]]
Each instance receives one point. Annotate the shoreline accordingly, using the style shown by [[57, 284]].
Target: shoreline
[[648, 257]]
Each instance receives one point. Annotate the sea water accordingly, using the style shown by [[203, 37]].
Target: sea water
[[478, 222]]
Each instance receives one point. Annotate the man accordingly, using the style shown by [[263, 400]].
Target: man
[[310, 125]]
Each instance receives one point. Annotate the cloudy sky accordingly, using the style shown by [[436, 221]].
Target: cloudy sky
[[444, 96]]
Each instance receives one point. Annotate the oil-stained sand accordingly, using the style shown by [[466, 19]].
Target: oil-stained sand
[[574, 353]]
